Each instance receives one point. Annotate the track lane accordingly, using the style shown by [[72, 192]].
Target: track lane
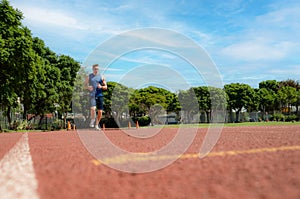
[[7, 141], [247, 162]]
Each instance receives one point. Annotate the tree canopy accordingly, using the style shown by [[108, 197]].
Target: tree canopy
[[31, 73]]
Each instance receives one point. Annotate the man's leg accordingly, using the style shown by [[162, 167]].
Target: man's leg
[[99, 103], [99, 116], [93, 109]]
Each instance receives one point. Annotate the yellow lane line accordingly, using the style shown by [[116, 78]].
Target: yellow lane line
[[138, 157]]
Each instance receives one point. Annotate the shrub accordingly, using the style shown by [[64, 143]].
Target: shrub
[[109, 122], [290, 118], [277, 117], [57, 125], [20, 125], [143, 120]]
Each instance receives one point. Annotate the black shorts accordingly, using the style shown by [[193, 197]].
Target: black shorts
[[99, 103]]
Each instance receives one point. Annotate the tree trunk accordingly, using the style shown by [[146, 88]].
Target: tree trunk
[[237, 116], [8, 115], [208, 116], [202, 117], [24, 112], [65, 118], [231, 116], [264, 113], [40, 122]]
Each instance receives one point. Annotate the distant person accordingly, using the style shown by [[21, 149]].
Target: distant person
[[91, 86], [101, 86]]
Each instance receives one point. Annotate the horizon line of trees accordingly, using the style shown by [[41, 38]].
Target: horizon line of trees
[[270, 98]]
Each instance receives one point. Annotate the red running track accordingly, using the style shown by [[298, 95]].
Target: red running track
[[247, 162]]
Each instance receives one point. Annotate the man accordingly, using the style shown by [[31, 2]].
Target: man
[[90, 85]]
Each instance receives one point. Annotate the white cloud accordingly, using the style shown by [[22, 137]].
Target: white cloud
[[228, 8], [51, 17], [293, 70], [258, 50], [270, 37], [287, 17], [71, 21]]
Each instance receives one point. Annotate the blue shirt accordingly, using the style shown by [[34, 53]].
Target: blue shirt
[[94, 80], [99, 90]]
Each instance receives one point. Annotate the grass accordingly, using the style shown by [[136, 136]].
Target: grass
[[202, 125], [205, 125], [262, 123]]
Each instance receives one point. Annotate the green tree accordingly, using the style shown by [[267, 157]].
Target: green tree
[[287, 96], [294, 84], [189, 105], [47, 96], [43, 89], [16, 56], [68, 68], [218, 104], [119, 100], [289, 82], [116, 98], [33, 86], [173, 103], [136, 108], [80, 99], [147, 97], [270, 85], [152, 101], [297, 103], [267, 99], [204, 100], [31, 71], [33, 80], [239, 96], [212, 101]]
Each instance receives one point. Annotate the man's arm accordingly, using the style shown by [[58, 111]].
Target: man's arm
[[104, 85], [86, 84]]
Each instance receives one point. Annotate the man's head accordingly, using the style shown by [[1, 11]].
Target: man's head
[[95, 68]]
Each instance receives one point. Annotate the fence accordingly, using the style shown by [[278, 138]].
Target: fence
[[48, 122]]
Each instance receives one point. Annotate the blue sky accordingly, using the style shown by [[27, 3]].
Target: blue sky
[[248, 41]]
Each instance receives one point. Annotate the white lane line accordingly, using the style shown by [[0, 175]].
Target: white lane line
[[17, 177]]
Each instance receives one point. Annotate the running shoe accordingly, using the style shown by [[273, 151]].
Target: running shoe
[[92, 123]]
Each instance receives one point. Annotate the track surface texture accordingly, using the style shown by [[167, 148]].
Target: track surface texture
[[247, 162]]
